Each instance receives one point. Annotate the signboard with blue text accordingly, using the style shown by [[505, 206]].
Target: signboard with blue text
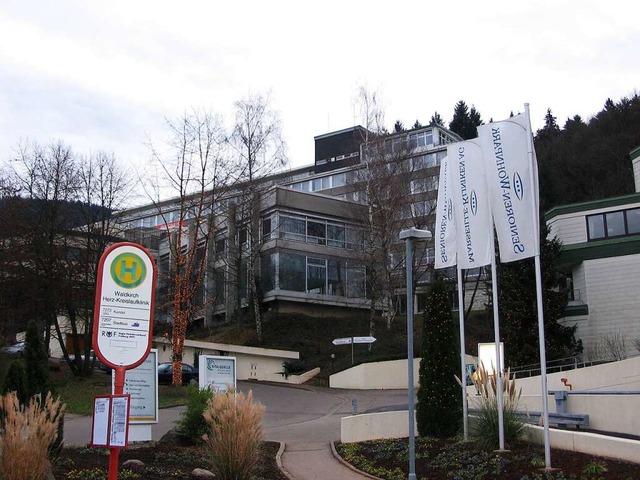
[[217, 373], [142, 384]]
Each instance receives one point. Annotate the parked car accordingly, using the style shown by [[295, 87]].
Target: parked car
[[165, 373], [16, 349]]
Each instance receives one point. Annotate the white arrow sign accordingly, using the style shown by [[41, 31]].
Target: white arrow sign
[[350, 340], [364, 339]]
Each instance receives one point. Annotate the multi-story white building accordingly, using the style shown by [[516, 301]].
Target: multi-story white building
[[601, 257], [313, 223]]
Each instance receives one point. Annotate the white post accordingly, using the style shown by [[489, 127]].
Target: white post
[[496, 332], [463, 359], [408, 235], [541, 340], [410, 394]]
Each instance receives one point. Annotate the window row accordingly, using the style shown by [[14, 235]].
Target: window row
[[428, 160], [322, 183], [319, 231], [426, 184], [613, 224]]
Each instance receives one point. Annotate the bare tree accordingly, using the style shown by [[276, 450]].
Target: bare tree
[[259, 149], [48, 181], [61, 225], [194, 170], [103, 187], [388, 179]]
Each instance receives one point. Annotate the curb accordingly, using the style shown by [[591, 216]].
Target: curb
[[279, 462], [348, 465]]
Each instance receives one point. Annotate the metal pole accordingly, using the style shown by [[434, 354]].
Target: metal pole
[[498, 372], [410, 395], [351, 350], [463, 359], [115, 452]]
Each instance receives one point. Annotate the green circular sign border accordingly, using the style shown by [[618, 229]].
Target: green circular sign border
[[115, 278]]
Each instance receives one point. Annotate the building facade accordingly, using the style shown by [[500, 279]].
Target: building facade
[[601, 258], [306, 238]]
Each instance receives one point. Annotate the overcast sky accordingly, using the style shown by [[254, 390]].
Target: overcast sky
[[103, 75]]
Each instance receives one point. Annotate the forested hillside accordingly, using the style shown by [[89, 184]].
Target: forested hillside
[[588, 160]]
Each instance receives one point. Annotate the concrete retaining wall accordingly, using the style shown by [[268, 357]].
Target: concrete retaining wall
[[374, 426], [252, 363], [379, 375]]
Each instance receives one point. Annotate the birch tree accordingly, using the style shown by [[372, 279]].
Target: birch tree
[[256, 141]]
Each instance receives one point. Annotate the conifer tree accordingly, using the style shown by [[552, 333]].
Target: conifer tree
[[36, 362], [465, 122], [439, 408], [16, 381], [437, 120]]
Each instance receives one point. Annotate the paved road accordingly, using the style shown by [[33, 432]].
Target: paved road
[[306, 419]]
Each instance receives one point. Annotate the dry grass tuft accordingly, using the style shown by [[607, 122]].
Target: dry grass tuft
[[26, 433], [235, 434], [486, 426]]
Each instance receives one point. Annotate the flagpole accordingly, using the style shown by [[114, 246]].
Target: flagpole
[[496, 332], [541, 338], [463, 358]]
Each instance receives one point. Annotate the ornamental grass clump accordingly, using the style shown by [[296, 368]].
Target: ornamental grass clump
[[486, 426], [235, 434], [26, 433]]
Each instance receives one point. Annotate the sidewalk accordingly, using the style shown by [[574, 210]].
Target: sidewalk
[[315, 461]]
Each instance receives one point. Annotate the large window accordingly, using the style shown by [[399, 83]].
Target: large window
[[428, 160], [268, 271], [421, 139], [426, 184], [315, 275], [613, 224], [316, 232], [293, 272], [293, 228], [335, 235]]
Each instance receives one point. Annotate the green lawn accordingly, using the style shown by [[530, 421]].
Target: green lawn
[[78, 393]]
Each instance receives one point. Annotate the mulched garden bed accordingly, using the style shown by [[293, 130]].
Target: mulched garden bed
[[161, 462], [452, 460]]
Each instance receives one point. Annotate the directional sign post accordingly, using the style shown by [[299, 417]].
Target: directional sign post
[[351, 341], [123, 315]]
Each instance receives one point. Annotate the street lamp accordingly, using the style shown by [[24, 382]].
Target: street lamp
[[409, 235]]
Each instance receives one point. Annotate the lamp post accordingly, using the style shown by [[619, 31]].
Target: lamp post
[[409, 235]]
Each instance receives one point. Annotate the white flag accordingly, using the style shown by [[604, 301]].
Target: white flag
[[471, 205], [513, 185], [445, 222]]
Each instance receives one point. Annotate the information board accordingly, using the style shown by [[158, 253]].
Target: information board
[[141, 383], [217, 373], [110, 421]]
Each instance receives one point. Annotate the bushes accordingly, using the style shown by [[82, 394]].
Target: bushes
[[16, 381], [192, 424], [26, 435], [235, 434]]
